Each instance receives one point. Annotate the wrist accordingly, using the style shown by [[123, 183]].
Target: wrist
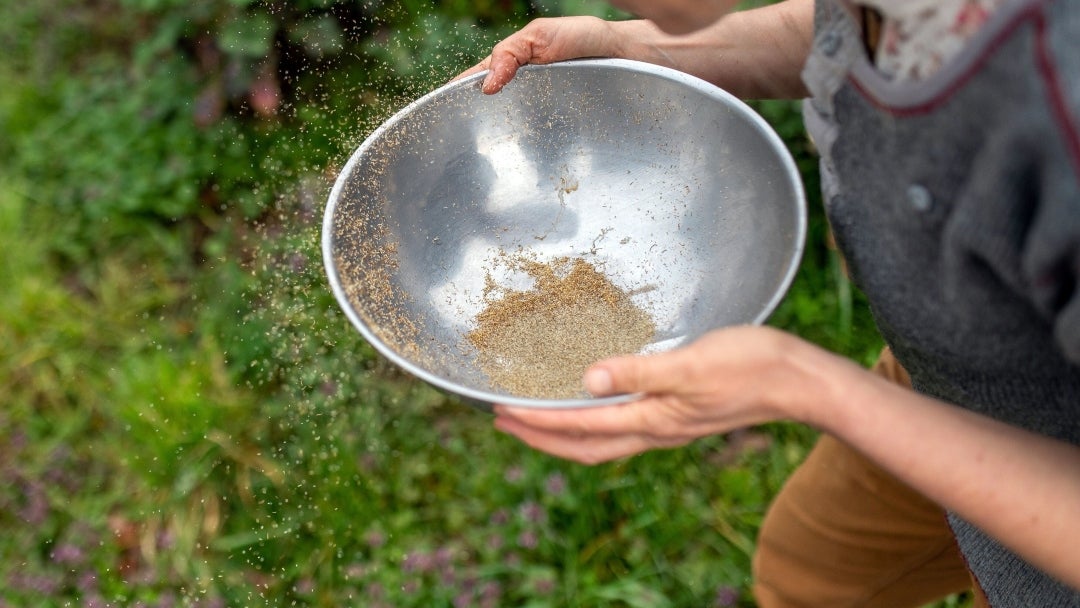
[[634, 39], [822, 388]]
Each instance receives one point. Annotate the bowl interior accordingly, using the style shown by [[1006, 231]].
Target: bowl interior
[[675, 190]]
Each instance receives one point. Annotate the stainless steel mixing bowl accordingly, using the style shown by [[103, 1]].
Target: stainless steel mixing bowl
[[678, 191]]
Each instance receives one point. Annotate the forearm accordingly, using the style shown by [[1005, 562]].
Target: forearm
[[1019, 487], [753, 54]]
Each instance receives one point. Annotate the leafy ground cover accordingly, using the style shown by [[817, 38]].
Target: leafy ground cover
[[186, 417]]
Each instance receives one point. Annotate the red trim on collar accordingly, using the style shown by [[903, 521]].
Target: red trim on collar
[[1058, 104], [1033, 12]]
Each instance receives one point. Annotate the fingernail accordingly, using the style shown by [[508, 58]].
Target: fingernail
[[486, 85], [598, 381]]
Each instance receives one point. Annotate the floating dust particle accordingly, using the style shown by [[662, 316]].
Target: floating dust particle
[[367, 280], [366, 255], [538, 343]]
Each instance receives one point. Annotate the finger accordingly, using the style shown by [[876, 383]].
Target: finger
[[651, 374], [531, 44], [606, 420], [586, 450], [637, 417], [505, 59]]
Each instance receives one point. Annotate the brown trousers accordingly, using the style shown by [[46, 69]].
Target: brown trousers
[[844, 533]]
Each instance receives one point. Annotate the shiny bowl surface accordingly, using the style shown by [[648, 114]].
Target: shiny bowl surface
[[673, 187]]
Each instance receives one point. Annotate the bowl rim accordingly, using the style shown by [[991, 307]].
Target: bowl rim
[[486, 398]]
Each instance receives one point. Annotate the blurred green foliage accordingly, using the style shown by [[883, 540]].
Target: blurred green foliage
[[188, 419], [175, 112]]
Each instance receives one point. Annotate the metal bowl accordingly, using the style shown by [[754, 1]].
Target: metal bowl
[[660, 178]]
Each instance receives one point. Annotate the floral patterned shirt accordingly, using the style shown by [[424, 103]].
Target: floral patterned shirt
[[917, 37]]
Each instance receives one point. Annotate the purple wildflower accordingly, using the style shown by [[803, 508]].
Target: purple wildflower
[[375, 539], [166, 600], [726, 596], [418, 561], [87, 582], [490, 594], [533, 512], [555, 484], [528, 540], [500, 517], [17, 440], [304, 586], [444, 556], [36, 583], [447, 576], [68, 554], [328, 388], [165, 539], [545, 586], [355, 571], [376, 591], [36, 507], [367, 462]]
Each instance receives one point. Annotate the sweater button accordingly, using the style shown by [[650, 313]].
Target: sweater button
[[919, 198]]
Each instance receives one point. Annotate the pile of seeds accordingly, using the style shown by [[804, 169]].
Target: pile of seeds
[[538, 343]]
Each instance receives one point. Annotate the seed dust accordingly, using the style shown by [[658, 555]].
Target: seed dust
[[538, 343]]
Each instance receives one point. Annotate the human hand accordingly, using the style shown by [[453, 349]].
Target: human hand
[[545, 40], [728, 379]]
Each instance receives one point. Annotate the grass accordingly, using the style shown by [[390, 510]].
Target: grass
[[217, 434], [143, 465]]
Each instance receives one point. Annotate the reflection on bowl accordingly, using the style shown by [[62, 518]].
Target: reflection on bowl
[[680, 194]]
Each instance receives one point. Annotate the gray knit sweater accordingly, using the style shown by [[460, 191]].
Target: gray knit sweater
[[956, 202]]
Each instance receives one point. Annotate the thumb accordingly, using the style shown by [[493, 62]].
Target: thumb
[[658, 373], [501, 71], [506, 58]]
